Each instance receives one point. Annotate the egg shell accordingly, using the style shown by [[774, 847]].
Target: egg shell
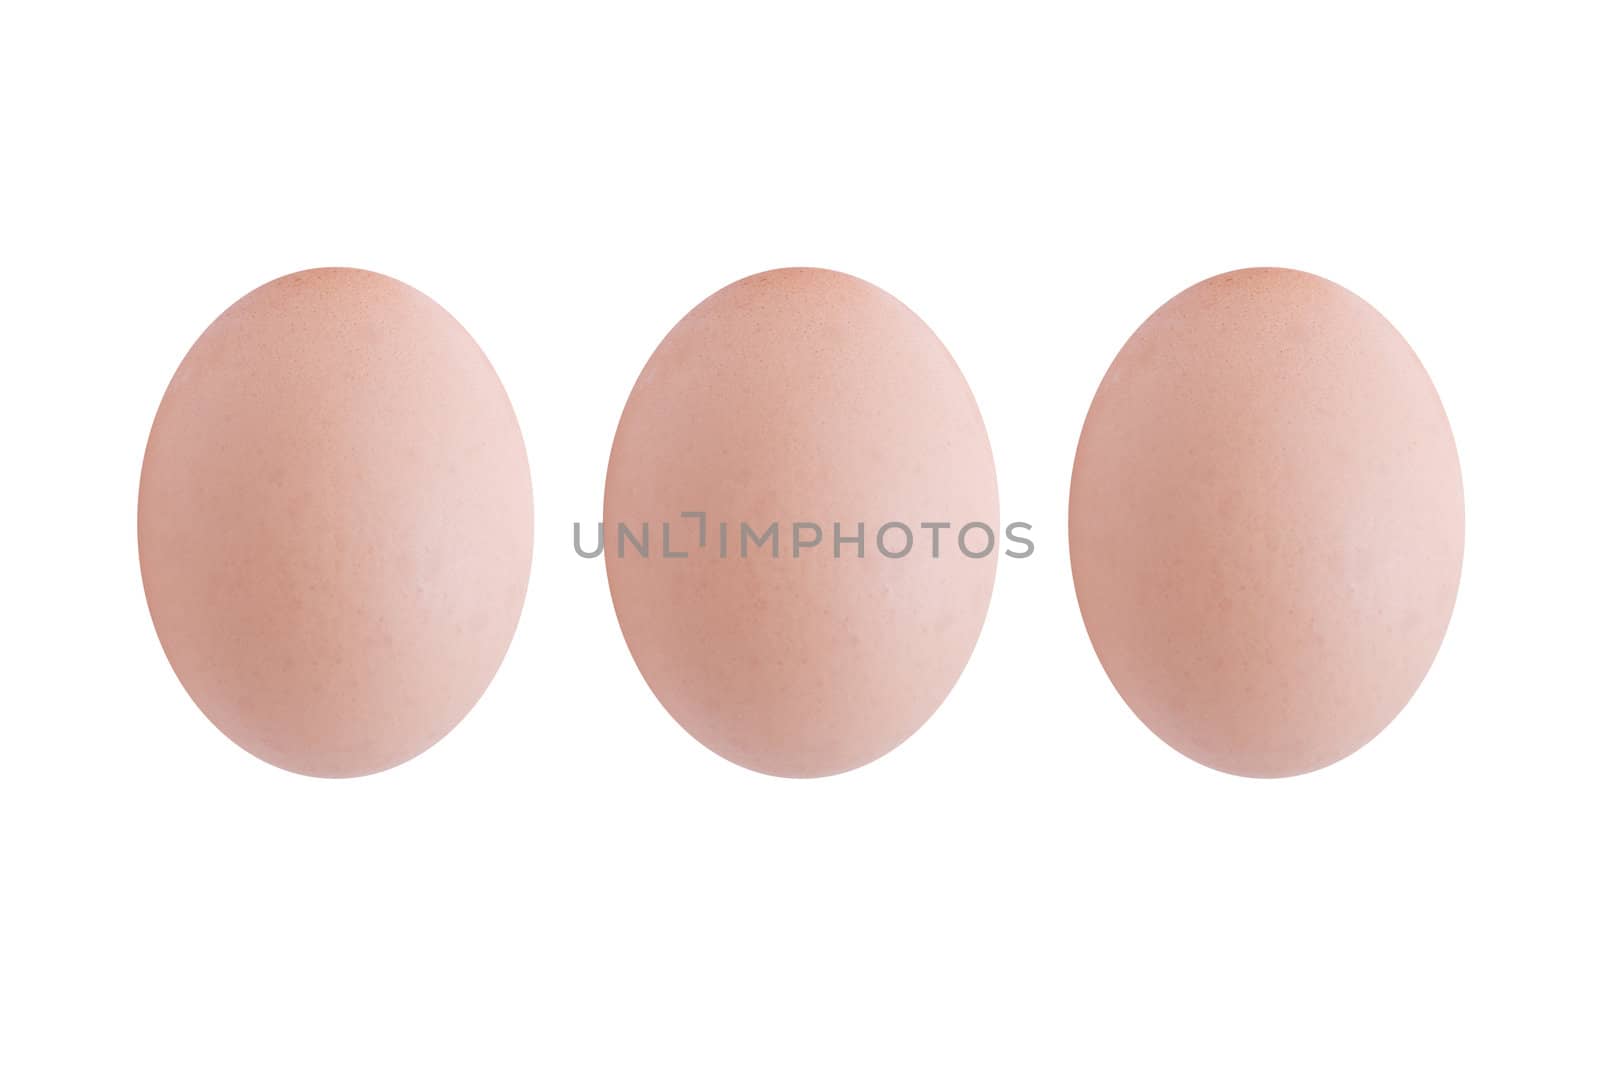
[[801, 395], [1266, 522], [335, 522]]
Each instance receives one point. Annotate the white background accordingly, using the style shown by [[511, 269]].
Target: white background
[[568, 880]]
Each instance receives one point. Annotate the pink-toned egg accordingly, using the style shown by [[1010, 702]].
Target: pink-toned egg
[[1266, 522], [335, 522], [804, 399]]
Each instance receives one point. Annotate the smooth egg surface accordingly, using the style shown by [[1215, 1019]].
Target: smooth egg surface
[[808, 399], [335, 522], [1266, 522]]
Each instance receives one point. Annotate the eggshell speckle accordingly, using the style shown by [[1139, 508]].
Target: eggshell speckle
[[801, 395], [335, 522], [1266, 522]]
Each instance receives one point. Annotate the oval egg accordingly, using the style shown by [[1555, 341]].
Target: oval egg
[[335, 522], [1266, 522], [814, 402]]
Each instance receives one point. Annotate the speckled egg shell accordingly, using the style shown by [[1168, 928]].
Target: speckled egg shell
[[801, 395], [335, 522], [1266, 522]]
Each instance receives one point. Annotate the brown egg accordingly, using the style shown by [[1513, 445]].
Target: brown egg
[[335, 522], [801, 399], [1266, 522]]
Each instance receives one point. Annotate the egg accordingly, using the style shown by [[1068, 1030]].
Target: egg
[[335, 522], [1266, 522], [794, 522]]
